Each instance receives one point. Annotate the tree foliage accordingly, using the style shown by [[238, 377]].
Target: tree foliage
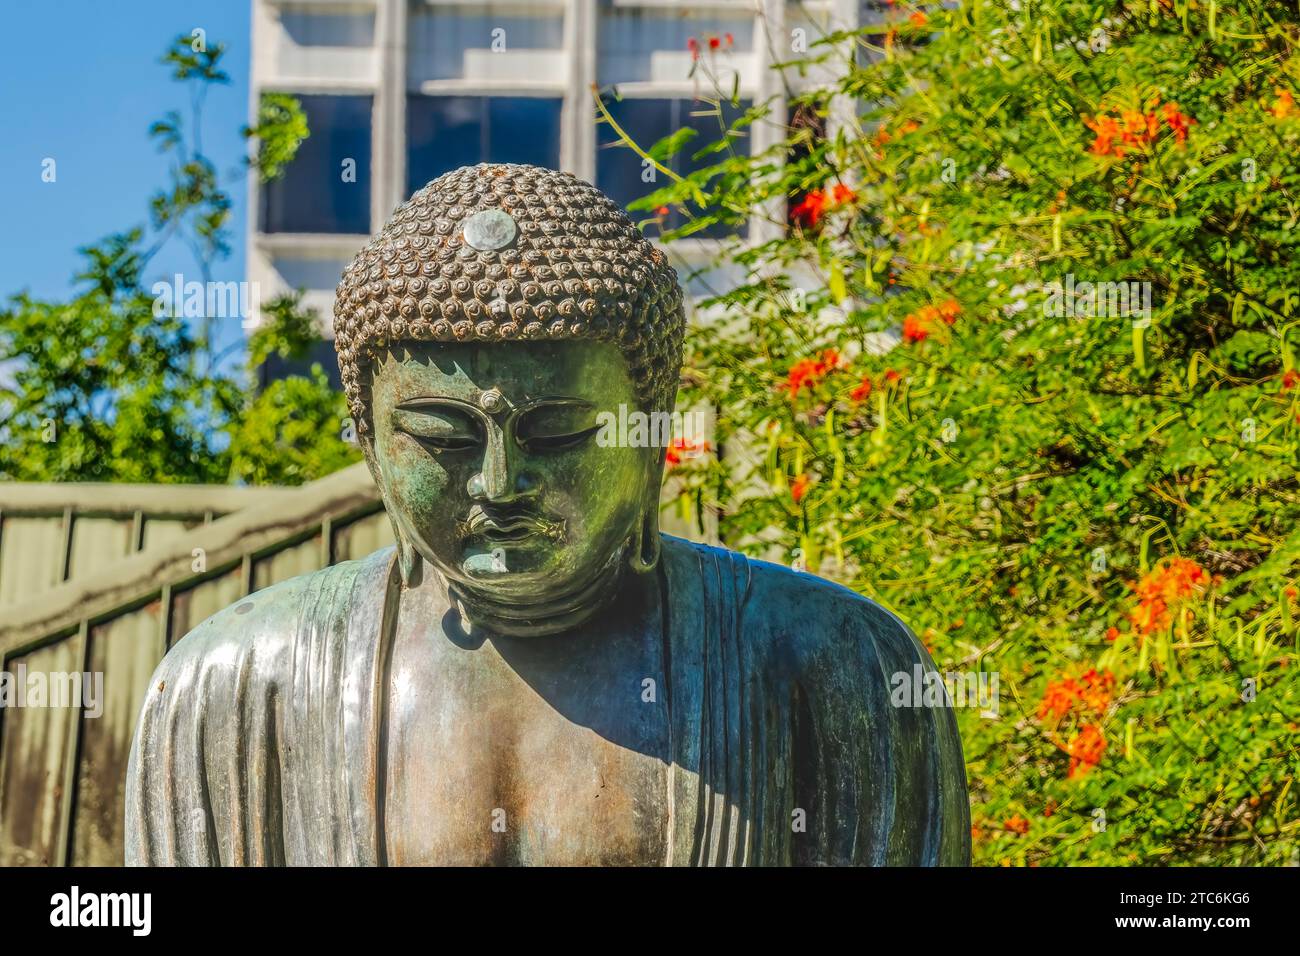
[[118, 384], [922, 394]]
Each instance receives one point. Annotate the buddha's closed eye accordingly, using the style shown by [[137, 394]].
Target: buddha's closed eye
[[555, 427], [440, 428], [545, 426]]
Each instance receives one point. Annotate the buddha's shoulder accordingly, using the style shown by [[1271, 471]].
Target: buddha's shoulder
[[794, 607], [271, 619]]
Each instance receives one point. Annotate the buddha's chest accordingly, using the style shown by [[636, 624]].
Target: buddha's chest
[[546, 751]]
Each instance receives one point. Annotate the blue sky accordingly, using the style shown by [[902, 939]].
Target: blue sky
[[80, 81]]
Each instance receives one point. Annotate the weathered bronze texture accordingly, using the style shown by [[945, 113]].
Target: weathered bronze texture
[[576, 269], [535, 675]]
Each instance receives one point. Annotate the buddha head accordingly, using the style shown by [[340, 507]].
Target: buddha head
[[483, 337]]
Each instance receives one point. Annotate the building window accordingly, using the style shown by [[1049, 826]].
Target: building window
[[653, 45], [327, 186], [621, 173], [497, 42], [446, 132], [316, 43]]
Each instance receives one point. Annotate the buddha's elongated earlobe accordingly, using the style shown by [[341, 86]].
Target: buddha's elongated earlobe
[[409, 562], [643, 554]]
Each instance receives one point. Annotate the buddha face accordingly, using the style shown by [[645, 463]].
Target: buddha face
[[488, 460]]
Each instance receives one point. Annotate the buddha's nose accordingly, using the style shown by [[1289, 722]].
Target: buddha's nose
[[499, 478]]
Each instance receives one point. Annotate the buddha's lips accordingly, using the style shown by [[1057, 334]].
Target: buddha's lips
[[511, 527]]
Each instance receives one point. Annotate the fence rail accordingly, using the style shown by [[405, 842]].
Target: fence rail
[[62, 771]]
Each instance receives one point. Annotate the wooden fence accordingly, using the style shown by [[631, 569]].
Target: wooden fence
[[118, 609]]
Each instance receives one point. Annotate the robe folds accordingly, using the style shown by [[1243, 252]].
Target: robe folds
[[261, 740]]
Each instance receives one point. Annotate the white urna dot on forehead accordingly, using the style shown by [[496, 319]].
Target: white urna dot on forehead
[[489, 230]]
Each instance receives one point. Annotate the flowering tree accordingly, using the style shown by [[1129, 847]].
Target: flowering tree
[[1019, 367]]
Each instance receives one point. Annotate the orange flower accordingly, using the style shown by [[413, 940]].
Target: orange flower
[[918, 19], [1059, 698], [1107, 130], [1091, 691], [807, 373], [862, 389], [892, 376], [1017, 824], [1112, 633], [1290, 380], [915, 329], [1085, 749], [1169, 584], [918, 325], [1134, 129], [799, 487], [810, 208], [1284, 104], [842, 194], [1096, 690]]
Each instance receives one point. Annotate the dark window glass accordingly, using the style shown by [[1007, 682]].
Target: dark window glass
[[446, 132], [312, 195], [646, 121]]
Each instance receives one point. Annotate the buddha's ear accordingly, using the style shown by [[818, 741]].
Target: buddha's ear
[[409, 562], [644, 551]]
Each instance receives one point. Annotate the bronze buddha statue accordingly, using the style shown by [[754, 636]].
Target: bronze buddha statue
[[534, 675]]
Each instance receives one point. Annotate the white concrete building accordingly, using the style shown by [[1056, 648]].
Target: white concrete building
[[398, 91]]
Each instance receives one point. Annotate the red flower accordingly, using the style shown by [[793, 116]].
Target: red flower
[[1017, 824], [861, 390], [918, 325], [682, 449], [1290, 380], [730, 39], [842, 194], [892, 376], [799, 487], [1058, 699], [693, 45], [810, 208], [1134, 129], [661, 211], [806, 373], [1178, 123], [915, 329], [1091, 691], [714, 43], [1169, 584], [1112, 633]]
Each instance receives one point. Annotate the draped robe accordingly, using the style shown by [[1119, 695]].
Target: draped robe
[[261, 740]]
